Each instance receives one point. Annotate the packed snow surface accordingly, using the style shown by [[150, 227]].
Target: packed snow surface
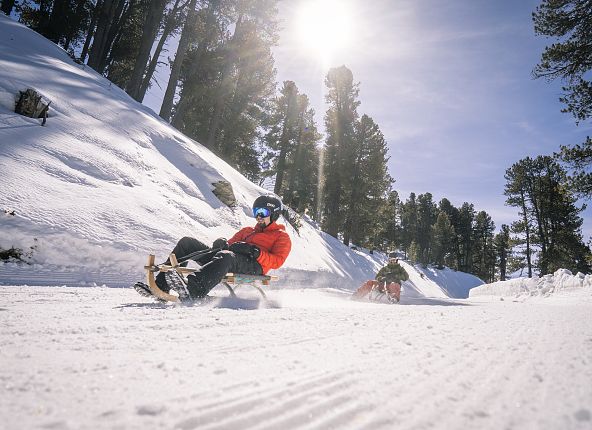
[[106, 358]]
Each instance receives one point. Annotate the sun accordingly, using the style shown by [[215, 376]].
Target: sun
[[325, 27]]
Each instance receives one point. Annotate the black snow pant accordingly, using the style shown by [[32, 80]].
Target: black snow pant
[[213, 266]]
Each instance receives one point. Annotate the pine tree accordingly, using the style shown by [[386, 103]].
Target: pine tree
[[427, 213], [484, 254], [570, 58], [339, 160], [283, 131], [503, 249], [465, 239], [64, 22], [414, 252], [111, 16], [409, 220], [120, 59], [454, 217], [226, 101], [392, 232], [579, 159], [303, 165], [516, 193], [540, 188], [369, 185], [443, 240]]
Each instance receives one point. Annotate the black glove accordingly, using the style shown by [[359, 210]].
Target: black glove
[[245, 249], [220, 243]]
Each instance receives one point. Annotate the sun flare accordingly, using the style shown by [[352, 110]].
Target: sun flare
[[325, 27]]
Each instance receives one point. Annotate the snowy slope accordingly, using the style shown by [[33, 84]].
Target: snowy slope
[[106, 181]]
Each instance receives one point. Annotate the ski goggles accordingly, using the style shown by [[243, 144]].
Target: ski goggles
[[261, 212]]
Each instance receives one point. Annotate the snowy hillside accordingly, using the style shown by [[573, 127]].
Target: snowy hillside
[[106, 182]]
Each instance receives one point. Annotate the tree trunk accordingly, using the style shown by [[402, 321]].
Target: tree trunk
[[151, 26], [54, 26], [101, 41], [527, 232], [231, 60], [168, 29], [91, 30], [289, 199], [186, 97], [186, 37], [284, 143]]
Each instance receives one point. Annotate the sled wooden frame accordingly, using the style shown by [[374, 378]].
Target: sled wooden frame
[[229, 280]]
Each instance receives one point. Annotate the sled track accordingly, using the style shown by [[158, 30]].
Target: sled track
[[55, 276], [85, 358]]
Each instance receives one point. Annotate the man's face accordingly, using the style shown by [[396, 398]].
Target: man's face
[[263, 221]]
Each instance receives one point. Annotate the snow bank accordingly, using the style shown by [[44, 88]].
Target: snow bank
[[560, 281]]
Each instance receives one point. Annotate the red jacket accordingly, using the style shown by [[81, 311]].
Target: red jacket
[[273, 242]]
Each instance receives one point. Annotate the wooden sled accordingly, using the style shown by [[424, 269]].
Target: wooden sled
[[231, 281]]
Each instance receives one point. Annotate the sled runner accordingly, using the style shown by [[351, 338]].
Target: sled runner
[[231, 280]]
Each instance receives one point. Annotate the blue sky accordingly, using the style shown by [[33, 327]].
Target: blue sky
[[448, 82], [450, 85]]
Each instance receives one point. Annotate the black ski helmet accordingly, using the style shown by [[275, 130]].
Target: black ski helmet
[[270, 202]]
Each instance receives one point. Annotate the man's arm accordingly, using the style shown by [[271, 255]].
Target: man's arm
[[240, 235], [275, 257]]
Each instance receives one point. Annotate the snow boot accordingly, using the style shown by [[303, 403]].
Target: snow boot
[[393, 292], [174, 282], [144, 290]]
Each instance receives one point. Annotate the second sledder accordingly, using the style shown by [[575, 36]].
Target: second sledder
[[251, 251], [386, 286]]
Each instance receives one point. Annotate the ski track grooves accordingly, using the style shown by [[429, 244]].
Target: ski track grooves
[[275, 407]]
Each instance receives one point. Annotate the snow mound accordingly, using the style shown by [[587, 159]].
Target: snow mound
[[562, 281]]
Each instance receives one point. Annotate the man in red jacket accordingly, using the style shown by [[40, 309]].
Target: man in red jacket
[[252, 250]]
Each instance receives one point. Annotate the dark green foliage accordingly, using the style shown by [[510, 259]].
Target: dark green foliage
[[443, 241], [391, 233], [226, 98], [339, 152], [65, 22], [122, 56], [570, 58], [409, 225], [503, 251], [7, 6], [370, 185], [549, 216], [483, 251], [427, 213], [579, 159], [291, 138], [356, 180], [569, 22]]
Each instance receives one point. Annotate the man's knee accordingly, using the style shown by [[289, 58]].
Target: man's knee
[[186, 241], [225, 255]]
